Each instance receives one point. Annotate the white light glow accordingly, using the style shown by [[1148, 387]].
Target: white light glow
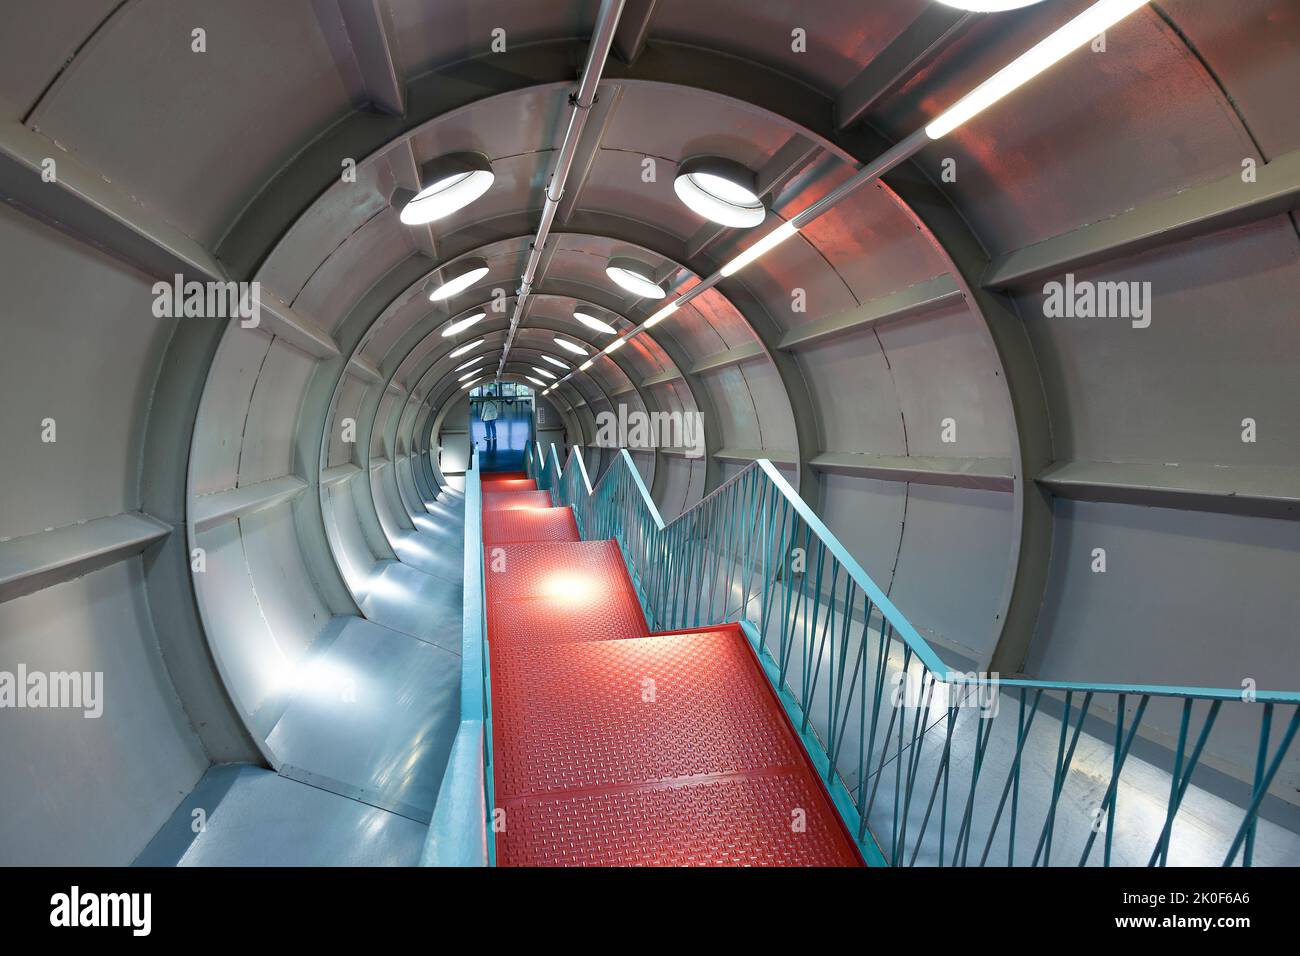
[[467, 347], [458, 283], [444, 197], [662, 314], [720, 200], [591, 322], [586, 365], [536, 381], [470, 384], [988, 6], [463, 324], [543, 372], [635, 282], [774, 238], [616, 344], [473, 361], [556, 362], [473, 373], [1079, 31], [573, 347]]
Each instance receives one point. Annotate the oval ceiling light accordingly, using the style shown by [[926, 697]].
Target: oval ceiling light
[[461, 276], [447, 183], [635, 277], [467, 347], [543, 373], [988, 6], [556, 362], [463, 324], [721, 191], [591, 322], [470, 384], [536, 381], [573, 347], [473, 373], [474, 361]]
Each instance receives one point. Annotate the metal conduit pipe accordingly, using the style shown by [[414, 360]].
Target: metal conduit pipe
[[601, 41]]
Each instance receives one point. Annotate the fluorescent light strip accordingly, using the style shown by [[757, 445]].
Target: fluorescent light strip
[[469, 384], [774, 238], [474, 361], [662, 314], [616, 344], [1083, 28], [556, 362], [543, 372], [586, 365]]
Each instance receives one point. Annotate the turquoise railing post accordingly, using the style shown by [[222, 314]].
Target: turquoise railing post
[[866, 691]]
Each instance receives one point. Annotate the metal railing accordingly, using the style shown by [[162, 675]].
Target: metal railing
[[926, 764], [460, 833]]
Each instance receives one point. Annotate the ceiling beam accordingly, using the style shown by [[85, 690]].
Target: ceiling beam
[[373, 41], [987, 474], [933, 29], [1254, 490], [602, 112], [633, 29], [1198, 211], [924, 298], [85, 205]]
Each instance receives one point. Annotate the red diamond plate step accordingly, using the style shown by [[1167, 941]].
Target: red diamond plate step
[[613, 747], [502, 526]]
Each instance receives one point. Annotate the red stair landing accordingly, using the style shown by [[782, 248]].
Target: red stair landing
[[615, 747]]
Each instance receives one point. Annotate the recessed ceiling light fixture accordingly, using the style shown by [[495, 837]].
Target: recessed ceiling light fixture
[[543, 373], [447, 184], [556, 362], [463, 324], [1089, 24], [591, 322], [474, 361], [474, 373], [721, 191], [536, 381], [467, 347], [635, 277], [470, 384], [573, 347], [460, 277]]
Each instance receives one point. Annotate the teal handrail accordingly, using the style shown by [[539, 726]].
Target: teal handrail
[[868, 692]]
